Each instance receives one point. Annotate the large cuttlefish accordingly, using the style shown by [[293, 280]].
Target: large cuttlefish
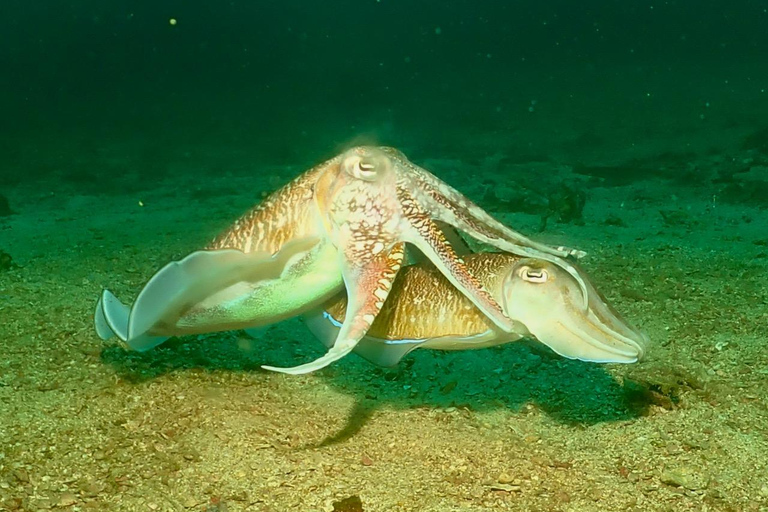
[[543, 301], [341, 225]]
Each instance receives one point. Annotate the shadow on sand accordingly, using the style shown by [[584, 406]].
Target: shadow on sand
[[509, 376]]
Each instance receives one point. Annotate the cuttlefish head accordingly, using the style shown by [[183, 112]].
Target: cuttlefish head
[[548, 301], [371, 203]]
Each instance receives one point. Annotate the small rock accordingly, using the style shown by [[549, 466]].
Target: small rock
[[42, 503], [21, 475], [67, 499], [504, 478], [366, 460], [239, 496], [615, 220], [5, 208], [191, 454], [217, 506], [673, 448], [6, 262], [505, 487], [685, 477], [351, 504], [89, 489], [189, 502]]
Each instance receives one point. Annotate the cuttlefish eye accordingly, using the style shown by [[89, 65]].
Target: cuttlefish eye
[[366, 166], [363, 167], [533, 275]]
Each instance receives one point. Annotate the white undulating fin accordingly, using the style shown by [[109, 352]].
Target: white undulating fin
[[103, 326], [379, 352], [111, 319], [182, 284]]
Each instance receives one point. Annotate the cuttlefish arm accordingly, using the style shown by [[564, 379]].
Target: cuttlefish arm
[[368, 284], [446, 204], [425, 311]]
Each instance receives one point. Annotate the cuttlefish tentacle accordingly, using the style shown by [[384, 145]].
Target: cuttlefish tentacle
[[368, 285], [448, 198]]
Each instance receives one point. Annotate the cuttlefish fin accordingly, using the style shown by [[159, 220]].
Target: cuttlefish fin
[[180, 285], [111, 319], [380, 352], [368, 286]]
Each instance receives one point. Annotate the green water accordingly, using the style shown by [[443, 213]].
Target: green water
[[134, 132]]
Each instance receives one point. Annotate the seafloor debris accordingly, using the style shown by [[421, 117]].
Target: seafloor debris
[[757, 141], [512, 198], [566, 203], [748, 186], [351, 504], [614, 220], [6, 262], [5, 208], [678, 218], [686, 477], [645, 393]]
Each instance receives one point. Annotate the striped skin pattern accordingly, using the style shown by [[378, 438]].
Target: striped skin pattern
[[423, 304], [285, 215]]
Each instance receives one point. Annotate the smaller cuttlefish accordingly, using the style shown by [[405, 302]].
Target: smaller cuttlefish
[[542, 299]]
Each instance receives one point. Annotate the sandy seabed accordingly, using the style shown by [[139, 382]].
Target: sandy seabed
[[197, 425]]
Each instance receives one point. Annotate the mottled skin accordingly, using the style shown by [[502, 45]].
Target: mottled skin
[[286, 214], [425, 305]]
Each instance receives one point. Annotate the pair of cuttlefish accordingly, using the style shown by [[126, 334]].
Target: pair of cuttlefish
[[352, 224]]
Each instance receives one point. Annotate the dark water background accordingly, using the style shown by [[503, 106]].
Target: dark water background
[[294, 81]]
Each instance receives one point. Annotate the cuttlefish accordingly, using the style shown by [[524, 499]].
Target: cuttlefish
[[543, 301], [342, 225]]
